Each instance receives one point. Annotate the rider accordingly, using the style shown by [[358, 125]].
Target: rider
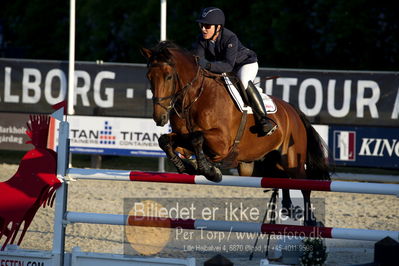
[[219, 51]]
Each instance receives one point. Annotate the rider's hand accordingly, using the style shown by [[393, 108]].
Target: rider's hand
[[204, 63]]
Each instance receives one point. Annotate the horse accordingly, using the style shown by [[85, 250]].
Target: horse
[[206, 122]]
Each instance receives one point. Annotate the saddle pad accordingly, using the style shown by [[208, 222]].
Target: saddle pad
[[271, 108]]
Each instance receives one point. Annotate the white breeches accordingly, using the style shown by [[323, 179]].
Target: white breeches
[[247, 73]]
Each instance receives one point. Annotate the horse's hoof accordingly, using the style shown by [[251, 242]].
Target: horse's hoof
[[319, 224], [191, 167]]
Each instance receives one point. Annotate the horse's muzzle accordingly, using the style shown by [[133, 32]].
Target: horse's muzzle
[[162, 119]]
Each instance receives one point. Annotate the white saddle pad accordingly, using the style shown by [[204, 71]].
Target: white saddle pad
[[271, 108]]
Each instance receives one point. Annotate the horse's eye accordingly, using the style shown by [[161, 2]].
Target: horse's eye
[[168, 77]]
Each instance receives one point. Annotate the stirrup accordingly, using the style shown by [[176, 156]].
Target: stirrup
[[271, 131], [268, 126]]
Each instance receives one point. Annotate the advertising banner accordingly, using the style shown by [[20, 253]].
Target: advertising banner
[[113, 92], [33, 86], [12, 132], [110, 89], [338, 97], [361, 146], [114, 136]]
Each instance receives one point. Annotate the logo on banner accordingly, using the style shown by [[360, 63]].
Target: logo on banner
[[106, 136], [345, 145]]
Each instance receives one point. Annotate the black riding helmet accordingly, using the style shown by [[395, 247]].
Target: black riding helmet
[[212, 16]]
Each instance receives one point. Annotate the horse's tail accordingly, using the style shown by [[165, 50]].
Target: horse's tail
[[317, 164]]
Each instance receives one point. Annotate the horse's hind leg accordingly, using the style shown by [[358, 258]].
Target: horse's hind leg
[[310, 218], [286, 203], [204, 167], [245, 169]]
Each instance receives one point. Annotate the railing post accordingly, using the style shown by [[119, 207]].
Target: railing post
[[61, 195]]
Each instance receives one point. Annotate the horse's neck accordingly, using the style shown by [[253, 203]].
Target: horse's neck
[[189, 77], [194, 81]]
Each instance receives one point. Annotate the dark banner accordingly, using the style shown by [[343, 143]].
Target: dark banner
[[32, 86], [339, 97], [361, 146], [12, 132], [326, 97]]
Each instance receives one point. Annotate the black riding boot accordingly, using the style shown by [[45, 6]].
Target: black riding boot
[[267, 125]]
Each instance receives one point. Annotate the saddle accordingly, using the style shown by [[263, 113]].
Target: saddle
[[239, 95]]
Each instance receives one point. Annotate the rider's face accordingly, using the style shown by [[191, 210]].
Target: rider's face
[[208, 31]]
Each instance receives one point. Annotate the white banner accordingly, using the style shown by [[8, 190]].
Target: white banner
[[114, 135], [123, 136]]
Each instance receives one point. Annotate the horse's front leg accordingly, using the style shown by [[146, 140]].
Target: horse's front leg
[[166, 143], [210, 171]]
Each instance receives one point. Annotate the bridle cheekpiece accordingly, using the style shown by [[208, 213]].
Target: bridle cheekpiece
[[175, 92]]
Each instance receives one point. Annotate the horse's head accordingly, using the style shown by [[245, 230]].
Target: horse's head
[[164, 76]]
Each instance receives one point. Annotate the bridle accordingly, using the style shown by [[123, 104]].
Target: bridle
[[159, 100], [175, 92]]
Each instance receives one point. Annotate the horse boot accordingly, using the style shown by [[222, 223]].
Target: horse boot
[[267, 125]]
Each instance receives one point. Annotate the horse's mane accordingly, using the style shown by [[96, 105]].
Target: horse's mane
[[162, 52]]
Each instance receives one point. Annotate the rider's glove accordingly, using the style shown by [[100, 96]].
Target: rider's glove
[[204, 63]]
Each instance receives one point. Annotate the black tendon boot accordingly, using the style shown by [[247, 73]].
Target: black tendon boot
[[267, 125]]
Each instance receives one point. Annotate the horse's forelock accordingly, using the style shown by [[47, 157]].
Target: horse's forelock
[[162, 52], [162, 57]]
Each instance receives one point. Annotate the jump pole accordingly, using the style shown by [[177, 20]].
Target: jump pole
[[231, 226], [237, 181]]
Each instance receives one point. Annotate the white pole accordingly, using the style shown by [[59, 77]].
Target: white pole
[[161, 164], [163, 20], [161, 160], [236, 226], [71, 69]]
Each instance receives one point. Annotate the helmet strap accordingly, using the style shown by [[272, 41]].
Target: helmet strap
[[216, 31]]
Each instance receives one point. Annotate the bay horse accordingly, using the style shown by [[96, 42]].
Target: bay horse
[[205, 122]]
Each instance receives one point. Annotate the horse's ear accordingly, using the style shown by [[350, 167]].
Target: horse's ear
[[147, 53]]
